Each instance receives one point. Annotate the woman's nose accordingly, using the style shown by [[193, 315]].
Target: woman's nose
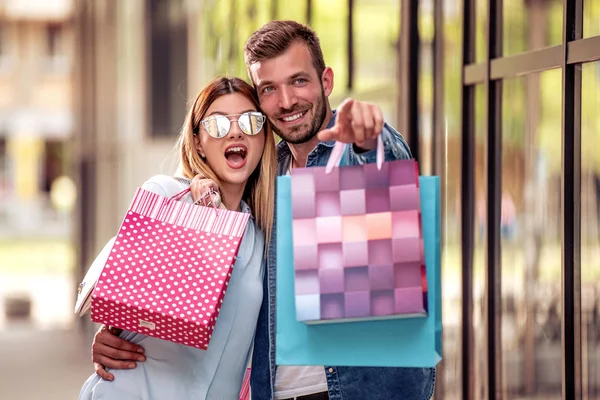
[[234, 131]]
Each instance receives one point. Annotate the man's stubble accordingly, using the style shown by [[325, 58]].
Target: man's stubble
[[319, 115]]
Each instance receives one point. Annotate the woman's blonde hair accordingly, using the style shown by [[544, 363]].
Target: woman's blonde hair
[[259, 193]]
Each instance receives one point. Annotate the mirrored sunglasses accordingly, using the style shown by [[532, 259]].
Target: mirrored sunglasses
[[218, 126]]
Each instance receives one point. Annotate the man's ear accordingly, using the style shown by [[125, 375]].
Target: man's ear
[[327, 79]]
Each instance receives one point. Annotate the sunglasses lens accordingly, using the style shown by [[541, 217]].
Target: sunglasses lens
[[218, 126], [251, 122]]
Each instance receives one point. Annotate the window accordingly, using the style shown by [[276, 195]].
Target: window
[[2, 39], [53, 37], [329, 20], [530, 245], [4, 173], [167, 60], [541, 196], [590, 228], [55, 161], [54, 56], [5, 178], [4, 46]]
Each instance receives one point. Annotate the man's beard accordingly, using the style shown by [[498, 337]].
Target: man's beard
[[319, 115]]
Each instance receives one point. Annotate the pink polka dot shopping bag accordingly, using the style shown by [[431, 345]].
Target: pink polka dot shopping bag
[[168, 269]]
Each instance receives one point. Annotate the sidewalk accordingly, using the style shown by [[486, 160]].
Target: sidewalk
[[43, 357], [52, 297], [42, 364]]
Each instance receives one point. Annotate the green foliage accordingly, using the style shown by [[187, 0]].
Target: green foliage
[[452, 73], [376, 27], [514, 111], [549, 128], [514, 27], [480, 30], [226, 24], [590, 117], [36, 255], [591, 18], [329, 22]]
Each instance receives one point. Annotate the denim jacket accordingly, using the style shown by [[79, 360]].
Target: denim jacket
[[344, 383]]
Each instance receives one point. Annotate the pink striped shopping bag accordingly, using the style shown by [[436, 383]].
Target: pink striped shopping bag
[[168, 269], [245, 392]]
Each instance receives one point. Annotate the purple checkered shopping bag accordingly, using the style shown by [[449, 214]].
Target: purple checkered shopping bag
[[358, 241]]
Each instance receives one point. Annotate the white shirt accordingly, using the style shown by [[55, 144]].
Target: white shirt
[[292, 381]]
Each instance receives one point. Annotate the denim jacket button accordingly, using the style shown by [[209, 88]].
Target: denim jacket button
[[331, 370]]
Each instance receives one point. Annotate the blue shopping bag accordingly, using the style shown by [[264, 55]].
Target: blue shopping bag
[[408, 342]]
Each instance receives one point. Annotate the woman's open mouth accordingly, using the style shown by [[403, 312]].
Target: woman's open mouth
[[235, 155]]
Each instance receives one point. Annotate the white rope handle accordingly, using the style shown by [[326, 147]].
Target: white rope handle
[[338, 150]]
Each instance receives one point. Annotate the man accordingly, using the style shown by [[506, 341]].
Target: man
[[285, 63]]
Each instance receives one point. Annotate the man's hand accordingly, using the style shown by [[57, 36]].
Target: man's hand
[[110, 351], [356, 122]]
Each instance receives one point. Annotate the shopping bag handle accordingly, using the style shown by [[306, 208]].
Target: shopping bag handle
[[179, 195], [338, 150]]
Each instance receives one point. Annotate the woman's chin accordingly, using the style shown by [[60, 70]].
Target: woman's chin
[[238, 177]]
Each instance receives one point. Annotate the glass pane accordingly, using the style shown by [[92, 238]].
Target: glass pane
[[168, 68], [480, 30], [226, 25], [448, 385], [426, 31], [530, 237], [330, 23], [590, 229], [294, 10], [531, 24], [479, 264], [223, 46], [591, 18], [376, 28]]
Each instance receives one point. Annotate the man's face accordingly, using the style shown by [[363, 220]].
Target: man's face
[[291, 94]]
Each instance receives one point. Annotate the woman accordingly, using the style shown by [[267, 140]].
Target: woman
[[227, 152]]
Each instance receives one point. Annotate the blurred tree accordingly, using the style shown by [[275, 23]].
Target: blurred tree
[[274, 10]]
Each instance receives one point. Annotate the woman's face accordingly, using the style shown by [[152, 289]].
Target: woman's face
[[234, 156]]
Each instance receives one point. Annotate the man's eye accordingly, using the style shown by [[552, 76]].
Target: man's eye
[[267, 89], [300, 81]]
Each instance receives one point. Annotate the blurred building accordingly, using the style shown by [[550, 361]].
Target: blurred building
[[133, 86], [36, 114], [499, 99]]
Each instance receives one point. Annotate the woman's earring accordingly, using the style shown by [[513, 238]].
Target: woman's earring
[[202, 155]]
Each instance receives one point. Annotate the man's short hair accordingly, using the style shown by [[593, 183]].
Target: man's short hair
[[276, 37]]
